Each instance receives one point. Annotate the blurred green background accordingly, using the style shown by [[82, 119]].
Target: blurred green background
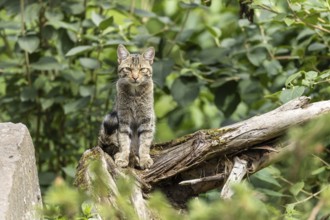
[[212, 67]]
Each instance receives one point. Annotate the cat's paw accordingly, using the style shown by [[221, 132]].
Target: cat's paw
[[121, 160], [145, 162]]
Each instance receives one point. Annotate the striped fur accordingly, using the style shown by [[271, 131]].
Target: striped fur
[[127, 132]]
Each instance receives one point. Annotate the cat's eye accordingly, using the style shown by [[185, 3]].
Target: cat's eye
[[127, 69], [144, 70]]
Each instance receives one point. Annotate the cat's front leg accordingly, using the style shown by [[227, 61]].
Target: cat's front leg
[[145, 140], [122, 157]]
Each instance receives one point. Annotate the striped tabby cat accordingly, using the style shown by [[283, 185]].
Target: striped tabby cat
[[127, 132]]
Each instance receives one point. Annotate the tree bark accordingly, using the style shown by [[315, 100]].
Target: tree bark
[[198, 162]]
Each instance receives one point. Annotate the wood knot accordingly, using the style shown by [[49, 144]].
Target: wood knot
[[300, 102]]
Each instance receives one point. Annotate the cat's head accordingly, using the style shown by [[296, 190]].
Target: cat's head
[[135, 69]]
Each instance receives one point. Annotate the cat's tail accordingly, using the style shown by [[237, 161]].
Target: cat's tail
[[108, 133], [110, 123]]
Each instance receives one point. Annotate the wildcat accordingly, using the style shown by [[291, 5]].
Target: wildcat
[[127, 132]]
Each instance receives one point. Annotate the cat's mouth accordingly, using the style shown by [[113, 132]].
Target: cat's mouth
[[134, 82]]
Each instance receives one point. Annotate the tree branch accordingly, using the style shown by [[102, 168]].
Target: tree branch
[[192, 150], [198, 162]]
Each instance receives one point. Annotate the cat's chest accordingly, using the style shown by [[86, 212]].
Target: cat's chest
[[136, 104], [140, 106], [138, 98]]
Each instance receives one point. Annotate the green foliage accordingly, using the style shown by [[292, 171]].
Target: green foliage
[[161, 208], [58, 68], [244, 205], [64, 202], [299, 181]]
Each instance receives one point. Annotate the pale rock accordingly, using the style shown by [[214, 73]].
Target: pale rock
[[20, 196]]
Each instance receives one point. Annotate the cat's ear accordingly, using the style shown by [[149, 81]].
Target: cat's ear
[[122, 53], [149, 54]]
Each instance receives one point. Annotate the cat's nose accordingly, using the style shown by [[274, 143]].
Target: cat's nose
[[135, 77]]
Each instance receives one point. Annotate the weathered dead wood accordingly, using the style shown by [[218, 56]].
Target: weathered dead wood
[[193, 150], [97, 174], [203, 160], [213, 173], [237, 173]]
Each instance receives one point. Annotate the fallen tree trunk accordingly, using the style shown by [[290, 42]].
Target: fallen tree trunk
[[196, 163]]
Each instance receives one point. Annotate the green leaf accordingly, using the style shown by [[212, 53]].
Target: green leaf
[[28, 94], [164, 105], [106, 23], [266, 176], [306, 83], [85, 91], [293, 77], [76, 105], [185, 90], [29, 43], [144, 13], [57, 24], [46, 103], [41, 82], [161, 69], [10, 25], [175, 117], [78, 50], [244, 22], [75, 76], [76, 8], [116, 42], [213, 55], [256, 56], [215, 31], [273, 67], [31, 13], [96, 18], [296, 188], [311, 75], [295, 6], [271, 192], [228, 42], [89, 63], [289, 94], [280, 17], [290, 208], [305, 33], [318, 171], [87, 208], [46, 63], [325, 74], [54, 15], [188, 5], [227, 97], [288, 21], [154, 26], [316, 46]]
